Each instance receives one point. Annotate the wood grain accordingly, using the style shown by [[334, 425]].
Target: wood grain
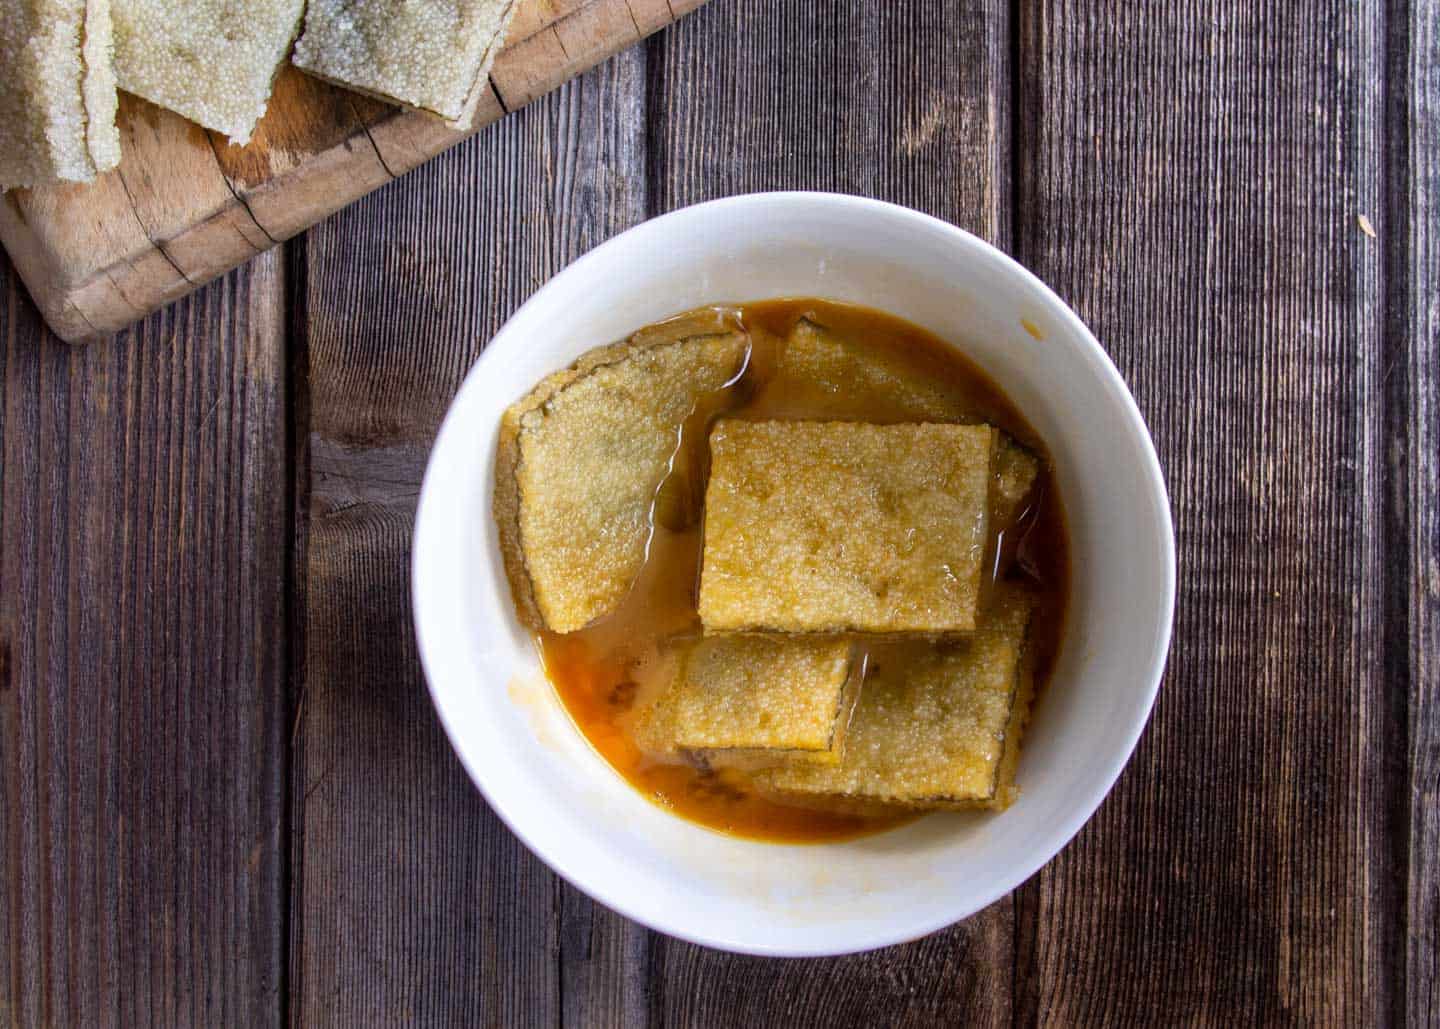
[[184, 206], [1190, 176], [412, 901], [1192, 181], [905, 102], [1411, 240], [142, 664]]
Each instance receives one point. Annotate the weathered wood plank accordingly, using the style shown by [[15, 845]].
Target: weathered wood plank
[[1411, 238], [142, 663], [412, 901], [1192, 181], [906, 102]]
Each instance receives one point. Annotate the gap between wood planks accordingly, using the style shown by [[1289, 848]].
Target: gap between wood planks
[[297, 492]]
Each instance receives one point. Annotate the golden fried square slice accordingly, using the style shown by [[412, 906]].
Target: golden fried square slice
[[828, 527], [57, 101], [582, 457], [432, 55], [212, 61], [852, 378], [937, 725], [755, 700], [854, 381]]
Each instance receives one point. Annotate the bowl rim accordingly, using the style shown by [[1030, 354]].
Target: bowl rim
[[428, 645]]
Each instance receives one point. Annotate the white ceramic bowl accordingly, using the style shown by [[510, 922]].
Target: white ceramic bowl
[[579, 816]]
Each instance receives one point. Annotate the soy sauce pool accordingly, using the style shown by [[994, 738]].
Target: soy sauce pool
[[605, 672]]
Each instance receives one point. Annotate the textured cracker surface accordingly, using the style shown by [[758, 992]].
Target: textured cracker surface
[[426, 54], [933, 721], [840, 526], [57, 98], [843, 369], [581, 458], [761, 693], [212, 61]]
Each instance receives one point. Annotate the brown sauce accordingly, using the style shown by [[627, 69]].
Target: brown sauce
[[604, 672]]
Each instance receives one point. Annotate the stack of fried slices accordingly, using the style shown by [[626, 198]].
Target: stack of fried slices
[[860, 649]]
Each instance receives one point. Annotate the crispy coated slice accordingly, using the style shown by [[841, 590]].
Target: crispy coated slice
[[756, 701], [57, 100], [826, 527], [849, 374], [851, 378], [937, 725], [582, 457], [433, 55], [212, 61]]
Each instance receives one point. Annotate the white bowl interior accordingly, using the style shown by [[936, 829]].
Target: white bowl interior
[[560, 797]]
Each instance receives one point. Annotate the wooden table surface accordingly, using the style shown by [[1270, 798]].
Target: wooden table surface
[[227, 799]]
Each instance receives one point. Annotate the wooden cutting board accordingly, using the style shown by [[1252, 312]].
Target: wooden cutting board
[[185, 206]]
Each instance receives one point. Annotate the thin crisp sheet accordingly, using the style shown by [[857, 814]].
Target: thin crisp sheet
[[851, 378], [213, 61], [57, 105], [433, 55], [582, 456], [829, 527], [757, 700], [936, 725]]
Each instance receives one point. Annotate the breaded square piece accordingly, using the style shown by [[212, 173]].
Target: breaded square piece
[[756, 700], [847, 371], [432, 55], [57, 103], [828, 527], [937, 725], [212, 61], [852, 377], [581, 459]]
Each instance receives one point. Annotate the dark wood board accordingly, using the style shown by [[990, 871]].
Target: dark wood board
[[1192, 180], [1411, 237], [219, 504], [905, 102], [142, 664], [396, 854]]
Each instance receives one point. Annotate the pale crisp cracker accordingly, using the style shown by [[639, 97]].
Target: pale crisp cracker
[[212, 61], [57, 107], [430, 55]]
